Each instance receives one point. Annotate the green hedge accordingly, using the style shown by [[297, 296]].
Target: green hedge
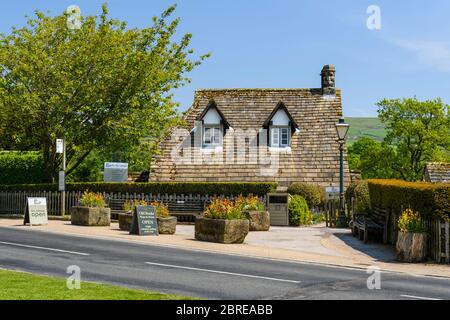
[[313, 194], [429, 199], [203, 188], [20, 167]]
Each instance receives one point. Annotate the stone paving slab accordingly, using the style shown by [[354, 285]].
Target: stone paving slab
[[315, 244]]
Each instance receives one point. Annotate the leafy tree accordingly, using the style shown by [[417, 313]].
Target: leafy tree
[[372, 158], [419, 131], [102, 86]]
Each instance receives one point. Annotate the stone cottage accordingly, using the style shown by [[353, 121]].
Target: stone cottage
[[281, 135]]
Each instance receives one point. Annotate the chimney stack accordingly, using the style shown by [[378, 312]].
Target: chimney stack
[[328, 80]]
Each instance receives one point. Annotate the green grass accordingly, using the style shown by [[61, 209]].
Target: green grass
[[24, 286], [365, 127]]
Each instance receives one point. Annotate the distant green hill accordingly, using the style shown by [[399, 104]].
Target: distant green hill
[[365, 127]]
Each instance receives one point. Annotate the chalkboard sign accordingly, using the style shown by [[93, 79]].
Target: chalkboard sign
[[36, 211], [144, 221]]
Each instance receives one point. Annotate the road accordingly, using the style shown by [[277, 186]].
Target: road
[[201, 274]]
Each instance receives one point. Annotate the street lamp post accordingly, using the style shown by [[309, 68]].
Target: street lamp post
[[342, 129]]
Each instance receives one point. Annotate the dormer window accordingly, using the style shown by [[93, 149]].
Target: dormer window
[[214, 125], [280, 126]]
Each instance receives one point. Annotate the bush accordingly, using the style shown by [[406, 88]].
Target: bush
[[299, 213], [202, 188], [250, 203], [92, 199], [359, 191], [410, 221], [432, 200], [312, 193], [21, 167], [224, 209]]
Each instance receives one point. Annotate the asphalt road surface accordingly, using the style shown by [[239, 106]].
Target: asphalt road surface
[[202, 274]]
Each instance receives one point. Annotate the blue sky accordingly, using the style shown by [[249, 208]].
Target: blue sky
[[284, 43]]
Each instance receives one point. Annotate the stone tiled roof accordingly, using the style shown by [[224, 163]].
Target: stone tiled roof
[[314, 157], [437, 172]]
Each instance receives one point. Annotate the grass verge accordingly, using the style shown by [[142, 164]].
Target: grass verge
[[24, 286]]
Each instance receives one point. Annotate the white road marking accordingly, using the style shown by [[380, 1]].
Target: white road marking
[[43, 248], [416, 297], [221, 272]]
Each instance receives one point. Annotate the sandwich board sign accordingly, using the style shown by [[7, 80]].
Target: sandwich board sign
[[144, 221], [115, 172], [36, 211], [332, 193]]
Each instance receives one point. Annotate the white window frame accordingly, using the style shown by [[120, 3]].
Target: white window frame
[[276, 136], [217, 133]]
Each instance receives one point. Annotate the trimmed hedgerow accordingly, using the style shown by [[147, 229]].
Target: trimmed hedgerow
[[20, 167], [299, 213], [202, 188], [359, 191], [429, 199]]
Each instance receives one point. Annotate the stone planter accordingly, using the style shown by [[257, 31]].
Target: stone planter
[[167, 225], [125, 220], [223, 231], [259, 220], [87, 216], [411, 247]]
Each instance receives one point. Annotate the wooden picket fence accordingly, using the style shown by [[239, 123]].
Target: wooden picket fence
[[438, 246], [13, 202]]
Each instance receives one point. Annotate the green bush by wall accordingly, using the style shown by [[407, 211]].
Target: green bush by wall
[[20, 167], [429, 199], [299, 213], [312, 193], [359, 191], [202, 188]]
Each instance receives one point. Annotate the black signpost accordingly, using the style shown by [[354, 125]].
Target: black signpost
[[144, 221]]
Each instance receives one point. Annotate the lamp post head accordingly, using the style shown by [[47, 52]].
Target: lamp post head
[[342, 129]]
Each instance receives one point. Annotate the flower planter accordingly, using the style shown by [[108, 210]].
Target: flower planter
[[167, 225], [125, 220], [411, 247], [87, 216], [259, 220], [223, 231]]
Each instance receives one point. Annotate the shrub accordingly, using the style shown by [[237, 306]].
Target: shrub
[[410, 221], [21, 167], [202, 188], [432, 200], [130, 205], [299, 213], [224, 209], [250, 203], [162, 211], [92, 199], [312, 193], [361, 197]]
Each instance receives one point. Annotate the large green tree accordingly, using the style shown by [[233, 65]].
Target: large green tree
[[102, 86], [418, 130]]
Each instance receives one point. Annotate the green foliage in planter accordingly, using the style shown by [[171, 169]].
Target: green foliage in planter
[[20, 167], [250, 203], [312, 193], [92, 199], [202, 188], [299, 213], [130, 205], [224, 209], [410, 221], [162, 210], [432, 200]]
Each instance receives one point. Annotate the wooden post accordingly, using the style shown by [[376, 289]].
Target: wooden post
[[447, 242]]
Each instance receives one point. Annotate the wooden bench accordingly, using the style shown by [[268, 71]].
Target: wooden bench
[[116, 206], [186, 210], [376, 222]]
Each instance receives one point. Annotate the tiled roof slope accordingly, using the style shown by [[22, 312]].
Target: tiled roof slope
[[437, 172], [314, 157]]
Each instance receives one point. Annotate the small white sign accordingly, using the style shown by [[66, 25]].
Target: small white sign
[[59, 146], [332, 193], [61, 181], [36, 211]]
